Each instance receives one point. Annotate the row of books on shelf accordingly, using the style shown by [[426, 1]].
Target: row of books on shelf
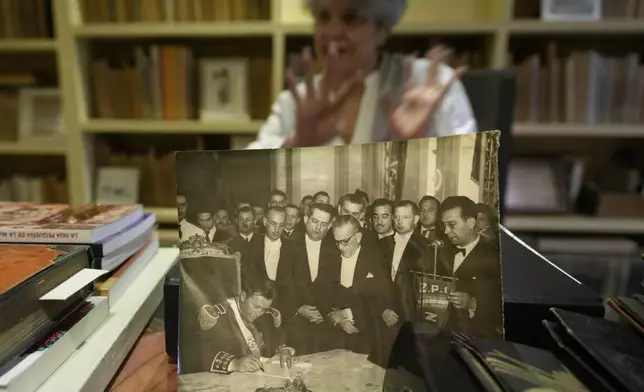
[[33, 189], [582, 87], [622, 9], [63, 268], [167, 82], [122, 11], [156, 174], [25, 19]]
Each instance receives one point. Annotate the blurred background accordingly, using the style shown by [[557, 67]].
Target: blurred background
[[96, 95]]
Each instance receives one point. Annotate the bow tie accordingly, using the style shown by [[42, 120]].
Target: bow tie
[[461, 251]]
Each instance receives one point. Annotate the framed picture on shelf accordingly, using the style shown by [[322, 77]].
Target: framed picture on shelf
[[571, 10], [538, 185], [224, 89], [40, 111], [117, 185]]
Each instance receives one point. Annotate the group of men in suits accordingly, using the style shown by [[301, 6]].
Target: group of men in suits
[[343, 276]]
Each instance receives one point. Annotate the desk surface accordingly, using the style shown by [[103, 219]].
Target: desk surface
[[337, 370], [148, 369]]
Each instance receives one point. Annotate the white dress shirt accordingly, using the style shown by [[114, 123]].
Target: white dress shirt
[[313, 255], [459, 257], [401, 243], [246, 237], [453, 117], [272, 256], [348, 269], [347, 273]]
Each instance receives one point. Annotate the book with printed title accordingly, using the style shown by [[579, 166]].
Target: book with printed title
[[62, 223]]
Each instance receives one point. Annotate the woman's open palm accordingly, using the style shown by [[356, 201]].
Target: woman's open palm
[[317, 111], [410, 119]]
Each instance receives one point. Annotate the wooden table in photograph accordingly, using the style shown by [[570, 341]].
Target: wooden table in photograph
[[332, 371]]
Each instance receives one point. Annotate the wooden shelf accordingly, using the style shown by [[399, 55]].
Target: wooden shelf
[[57, 147], [164, 214], [575, 224], [172, 127], [456, 28], [579, 130], [28, 45], [168, 237], [627, 26], [153, 30]]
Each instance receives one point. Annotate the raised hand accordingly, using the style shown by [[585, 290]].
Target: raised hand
[[317, 111], [411, 118]]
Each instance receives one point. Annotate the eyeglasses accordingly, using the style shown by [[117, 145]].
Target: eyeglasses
[[345, 242]]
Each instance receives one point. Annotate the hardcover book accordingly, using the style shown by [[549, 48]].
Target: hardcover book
[[27, 272], [300, 266], [62, 223]]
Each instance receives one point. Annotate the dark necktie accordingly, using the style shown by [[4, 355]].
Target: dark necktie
[[461, 251]]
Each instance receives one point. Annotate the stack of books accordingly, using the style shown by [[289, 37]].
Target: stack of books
[[47, 310], [61, 269]]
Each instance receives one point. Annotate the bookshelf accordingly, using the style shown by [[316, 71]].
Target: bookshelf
[[495, 27]]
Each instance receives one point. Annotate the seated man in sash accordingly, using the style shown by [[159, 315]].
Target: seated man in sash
[[235, 333]]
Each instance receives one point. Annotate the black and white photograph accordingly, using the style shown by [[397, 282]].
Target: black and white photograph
[[223, 89], [300, 266]]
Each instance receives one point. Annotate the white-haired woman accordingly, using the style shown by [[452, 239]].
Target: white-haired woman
[[364, 94]]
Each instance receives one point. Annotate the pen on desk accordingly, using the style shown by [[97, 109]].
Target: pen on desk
[[261, 366]]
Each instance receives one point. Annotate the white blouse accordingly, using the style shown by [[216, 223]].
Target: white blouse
[[454, 116]]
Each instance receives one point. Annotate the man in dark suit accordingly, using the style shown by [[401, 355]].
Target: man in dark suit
[[356, 206], [203, 226], [304, 205], [262, 258], [321, 197], [406, 251], [232, 335], [245, 230], [277, 198], [304, 276], [291, 226], [428, 224], [361, 291], [476, 303], [382, 217]]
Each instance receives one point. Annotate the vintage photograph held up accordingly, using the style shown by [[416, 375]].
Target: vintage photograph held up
[[300, 266]]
